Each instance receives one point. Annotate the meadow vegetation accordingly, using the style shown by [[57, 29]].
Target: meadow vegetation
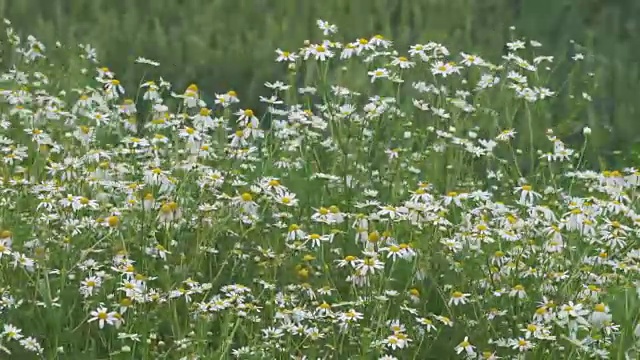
[[223, 45], [426, 210]]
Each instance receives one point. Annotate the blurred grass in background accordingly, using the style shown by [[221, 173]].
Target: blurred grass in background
[[224, 44]]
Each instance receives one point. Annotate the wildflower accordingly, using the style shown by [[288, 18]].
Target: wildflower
[[246, 203], [379, 73], [458, 298], [571, 310], [326, 27], [443, 319], [527, 195], [348, 260], [246, 117], [90, 285], [285, 56], [350, 316], [402, 62], [521, 344], [444, 69], [470, 60], [239, 138], [11, 332], [396, 341], [295, 233], [112, 221], [103, 316], [321, 52], [518, 291], [465, 346], [31, 344], [427, 324], [5, 246], [393, 251], [505, 135], [488, 355], [600, 315], [286, 199], [368, 265]]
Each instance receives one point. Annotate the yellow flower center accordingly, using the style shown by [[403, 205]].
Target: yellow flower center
[[325, 306], [522, 342], [113, 221], [600, 308]]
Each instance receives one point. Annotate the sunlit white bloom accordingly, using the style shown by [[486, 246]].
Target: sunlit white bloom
[[103, 316], [466, 347]]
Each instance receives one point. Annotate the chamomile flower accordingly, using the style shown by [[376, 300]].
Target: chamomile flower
[[380, 73], [103, 317]]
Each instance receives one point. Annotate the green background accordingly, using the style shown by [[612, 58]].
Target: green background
[[229, 44]]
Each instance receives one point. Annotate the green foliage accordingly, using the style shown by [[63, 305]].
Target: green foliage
[[230, 44]]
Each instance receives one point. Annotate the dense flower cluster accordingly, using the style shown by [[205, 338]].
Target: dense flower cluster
[[340, 224]]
